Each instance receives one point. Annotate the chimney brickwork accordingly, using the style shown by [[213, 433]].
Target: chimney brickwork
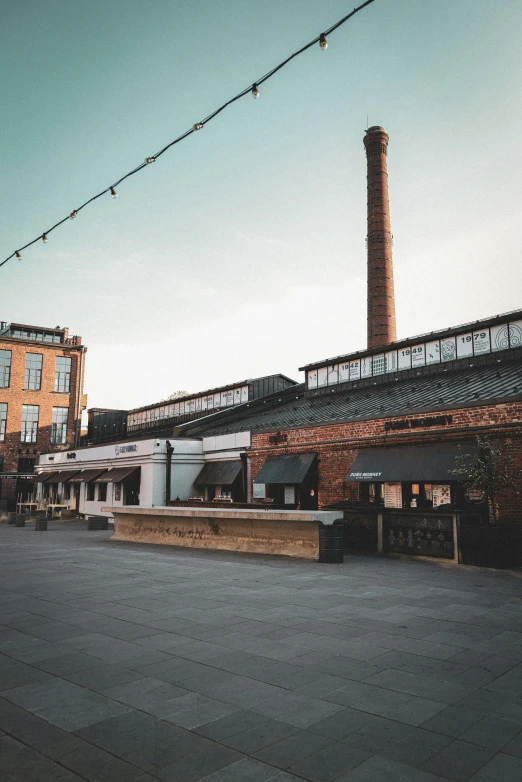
[[381, 298]]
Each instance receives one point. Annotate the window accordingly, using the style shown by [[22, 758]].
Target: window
[[3, 420], [90, 492], [62, 374], [102, 492], [59, 425], [66, 491], [5, 368], [29, 423], [1, 463], [117, 492], [26, 465], [33, 371]]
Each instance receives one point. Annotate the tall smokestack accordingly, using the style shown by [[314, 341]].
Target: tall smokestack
[[381, 298]]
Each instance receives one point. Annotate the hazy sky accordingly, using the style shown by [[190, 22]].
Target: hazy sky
[[241, 251]]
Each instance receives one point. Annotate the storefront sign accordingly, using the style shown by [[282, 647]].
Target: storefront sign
[[393, 495], [441, 495], [259, 491], [289, 495], [414, 423], [278, 438], [476, 496], [124, 449], [71, 456]]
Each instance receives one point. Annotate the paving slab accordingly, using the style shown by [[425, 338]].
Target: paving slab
[[128, 662]]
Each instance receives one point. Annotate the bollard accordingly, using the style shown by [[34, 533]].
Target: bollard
[[40, 525], [331, 543]]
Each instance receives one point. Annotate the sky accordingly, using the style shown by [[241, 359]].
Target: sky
[[241, 251]]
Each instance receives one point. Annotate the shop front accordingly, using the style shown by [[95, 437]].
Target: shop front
[[289, 480], [415, 497], [222, 481]]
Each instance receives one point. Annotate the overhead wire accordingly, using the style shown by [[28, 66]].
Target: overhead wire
[[252, 89]]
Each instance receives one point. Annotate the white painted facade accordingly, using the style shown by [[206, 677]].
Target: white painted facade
[[150, 455]]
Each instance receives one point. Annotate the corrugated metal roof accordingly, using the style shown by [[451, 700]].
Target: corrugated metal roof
[[390, 397]]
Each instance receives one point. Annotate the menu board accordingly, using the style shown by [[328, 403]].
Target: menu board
[[289, 495], [393, 495], [441, 495], [428, 536], [259, 492]]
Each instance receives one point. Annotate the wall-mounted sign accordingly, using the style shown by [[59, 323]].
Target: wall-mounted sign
[[476, 496], [278, 438], [463, 345], [71, 456], [124, 449], [259, 492], [415, 423], [289, 495]]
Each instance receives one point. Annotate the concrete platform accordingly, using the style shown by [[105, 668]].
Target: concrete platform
[[259, 531], [132, 662]]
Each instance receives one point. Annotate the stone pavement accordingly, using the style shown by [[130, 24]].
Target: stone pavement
[[124, 662]]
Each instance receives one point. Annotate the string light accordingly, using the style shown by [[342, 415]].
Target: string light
[[44, 238], [253, 90], [18, 256]]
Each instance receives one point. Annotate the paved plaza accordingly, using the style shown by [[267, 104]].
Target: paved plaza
[[124, 662]]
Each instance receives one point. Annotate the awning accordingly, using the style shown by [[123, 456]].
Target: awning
[[285, 469], [219, 473], [434, 462], [43, 476], [86, 475], [115, 475], [62, 476]]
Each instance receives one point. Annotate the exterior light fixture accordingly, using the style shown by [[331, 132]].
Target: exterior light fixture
[[44, 238], [255, 91], [18, 256], [323, 43], [150, 160], [73, 214], [114, 194], [198, 126]]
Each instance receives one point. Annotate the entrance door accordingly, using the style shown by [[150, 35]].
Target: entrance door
[[76, 502]]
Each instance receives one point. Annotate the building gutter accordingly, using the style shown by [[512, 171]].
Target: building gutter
[[78, 401]]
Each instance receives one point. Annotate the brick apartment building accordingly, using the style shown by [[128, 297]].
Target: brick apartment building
[[41, 399]]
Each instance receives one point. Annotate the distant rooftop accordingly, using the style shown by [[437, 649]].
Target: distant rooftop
[[38, 333]]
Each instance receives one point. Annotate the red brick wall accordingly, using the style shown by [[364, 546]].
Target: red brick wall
[[337, 445], [15, 396]]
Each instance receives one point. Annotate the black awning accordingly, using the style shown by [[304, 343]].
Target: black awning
[[63, 476], [115, 475], [86, 475], [434, 462], [43, 476], [285, 469], [219, 473]]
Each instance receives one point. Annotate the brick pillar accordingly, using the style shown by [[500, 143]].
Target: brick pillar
[[381, 298]]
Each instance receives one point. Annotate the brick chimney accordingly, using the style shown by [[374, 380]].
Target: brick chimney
[[381, 298]]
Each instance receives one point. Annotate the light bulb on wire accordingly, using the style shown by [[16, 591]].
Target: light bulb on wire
[[18, 256], [150, 160], [198, 126], [44, 238], [73, 214], [114, 194], [255, 91], [323, 43]]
